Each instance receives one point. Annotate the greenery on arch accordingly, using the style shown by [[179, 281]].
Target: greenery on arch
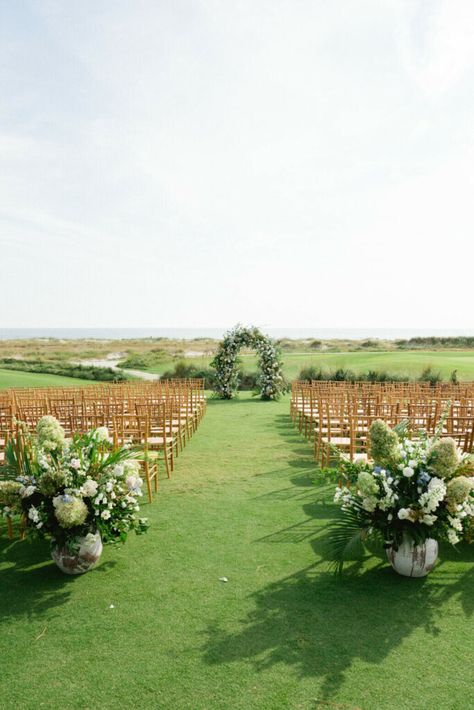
[[271, 383]]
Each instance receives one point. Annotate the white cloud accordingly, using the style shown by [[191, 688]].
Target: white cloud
[[438, 43]]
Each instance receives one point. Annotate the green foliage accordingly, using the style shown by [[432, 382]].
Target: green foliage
[[311, 372], [402, 496], [65, 369], [271, 382], [16, 463], [342, 374], [425, 343], [248, 381], [72, 487], [144, 360], [367, 484], [370, 344], [345, 539], [428, 375], [184, 370], [383, 444]]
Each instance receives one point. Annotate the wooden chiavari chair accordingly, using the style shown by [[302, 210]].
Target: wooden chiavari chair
[[328, 412]]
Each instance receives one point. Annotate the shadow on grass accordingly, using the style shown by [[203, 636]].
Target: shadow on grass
[[284, 427], [321, 626], [31, 584]]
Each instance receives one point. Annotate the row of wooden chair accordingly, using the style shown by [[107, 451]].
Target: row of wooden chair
[[158, 418], [336, 416]]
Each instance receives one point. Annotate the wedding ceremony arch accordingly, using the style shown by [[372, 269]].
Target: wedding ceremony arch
[[270, 383]]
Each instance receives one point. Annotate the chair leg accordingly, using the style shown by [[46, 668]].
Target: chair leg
[[156, 475], [148, 482], [167, 463]]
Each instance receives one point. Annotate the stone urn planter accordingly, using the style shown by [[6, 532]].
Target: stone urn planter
[[412, 560], [89, 550]]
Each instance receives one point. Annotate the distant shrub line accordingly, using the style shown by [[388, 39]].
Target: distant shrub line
[[84, 372], [464, 341], [345, 375], [249, 380], [183, 370], [373, 344]]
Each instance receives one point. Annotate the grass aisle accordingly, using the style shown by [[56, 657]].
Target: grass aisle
[[282, 633]]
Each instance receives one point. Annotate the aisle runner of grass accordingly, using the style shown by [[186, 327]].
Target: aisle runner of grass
[[281, 633]]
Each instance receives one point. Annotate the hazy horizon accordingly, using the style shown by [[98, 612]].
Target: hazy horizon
[[220, 162], [217, 333]]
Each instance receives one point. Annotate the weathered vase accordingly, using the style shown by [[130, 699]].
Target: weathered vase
[[89, 550], [414, 560]]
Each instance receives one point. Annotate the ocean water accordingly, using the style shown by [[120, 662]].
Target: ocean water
[[192, 333]]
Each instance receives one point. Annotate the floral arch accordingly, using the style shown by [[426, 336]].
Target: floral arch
[[271, 381]]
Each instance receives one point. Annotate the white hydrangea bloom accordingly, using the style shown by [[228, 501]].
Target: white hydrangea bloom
[[102, 434], [89, 488], [33, 514]]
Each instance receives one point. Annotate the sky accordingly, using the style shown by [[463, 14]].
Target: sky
[[205, 162]]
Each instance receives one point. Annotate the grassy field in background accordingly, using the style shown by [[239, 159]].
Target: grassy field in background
[[158, 356], [15, 378], [410, 363], [281, 633]]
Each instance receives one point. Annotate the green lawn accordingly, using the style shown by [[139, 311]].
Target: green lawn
[[15, 378], [282, 633], [411, 363]]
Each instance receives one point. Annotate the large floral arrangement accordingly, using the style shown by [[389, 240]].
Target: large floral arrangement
[[271, 382], [68, 489], [417, 488]]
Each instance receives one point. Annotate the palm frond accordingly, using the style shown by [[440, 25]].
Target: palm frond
[[115, 457], [17, 458], [346, 538], [401, 428]]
